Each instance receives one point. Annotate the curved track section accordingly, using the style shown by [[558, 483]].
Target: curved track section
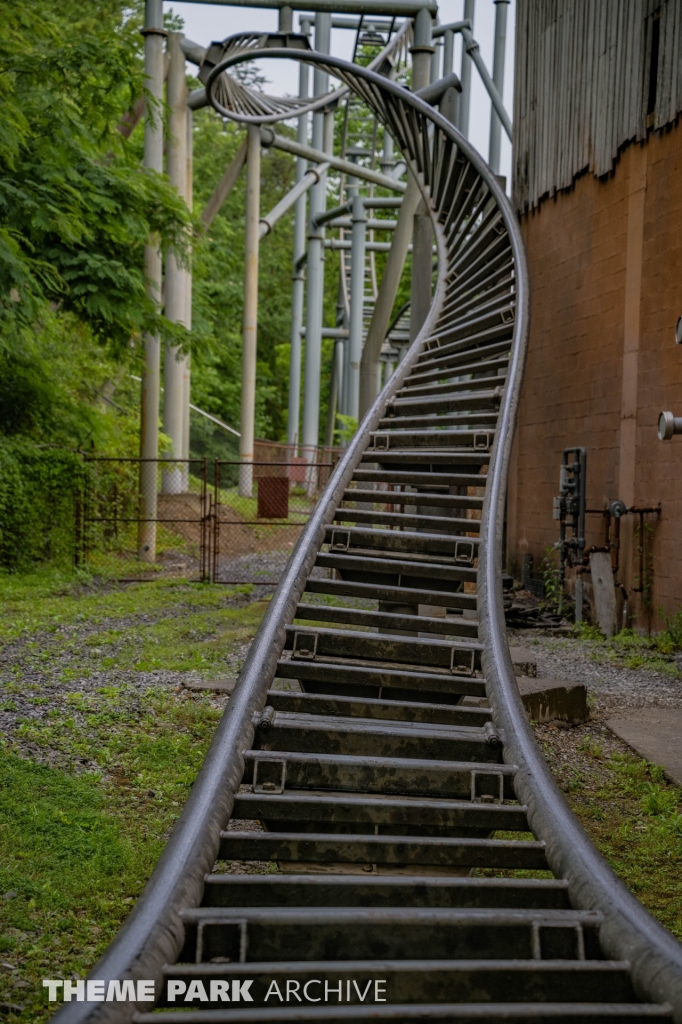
[[352, 755]]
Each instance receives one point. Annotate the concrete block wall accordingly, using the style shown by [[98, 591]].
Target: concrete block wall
[[605, 261]]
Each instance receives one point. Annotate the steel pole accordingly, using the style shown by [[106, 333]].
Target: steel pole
[[298, 275], [250, 331], [465, 76], [390, 281], [422, 261], [187, 371], [149, 406], [176, 275], [357, 302], [315, 297], [498, 78]]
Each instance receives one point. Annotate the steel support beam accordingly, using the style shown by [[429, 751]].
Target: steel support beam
[[357, 303], [224, 186], [501, 8], [250, 331], [270, 138], [149, 408], [422, 262], [390, 282], [465, 75], [400, 8], [187, 376], [322, 140], [298, 275], [474, 52], [174, 366]]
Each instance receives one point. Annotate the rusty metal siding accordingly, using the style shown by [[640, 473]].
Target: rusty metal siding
[[582, 87]]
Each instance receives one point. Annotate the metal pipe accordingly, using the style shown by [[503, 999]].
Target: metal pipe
[[422, 263], [354, 23], [250, 332], [498, 79], [357, 305], [224, 186], [434, 92], [345, 243], [270, 138], [294, 410], [286, 19], [374, 224], [472, 48], [194, 52], [187, 378], [322, 141], [149, 406], [311, 178], [390, 281], [448, 52], [450, 26], [330, 332], [400, 8], [175, 280], [334, 389], [465, 75]]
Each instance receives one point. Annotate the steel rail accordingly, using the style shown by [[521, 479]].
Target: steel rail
[[373, 748]]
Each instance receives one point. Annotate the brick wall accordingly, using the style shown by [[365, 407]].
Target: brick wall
[[605, 261]]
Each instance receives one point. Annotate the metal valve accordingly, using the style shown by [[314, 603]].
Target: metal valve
[[668, 425]]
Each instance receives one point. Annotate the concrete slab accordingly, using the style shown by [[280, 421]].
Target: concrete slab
[[655, 734], [224, 685], [553, 700], [524, 661]]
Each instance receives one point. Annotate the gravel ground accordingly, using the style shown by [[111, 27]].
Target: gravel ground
[[611, 685], [42, 674]]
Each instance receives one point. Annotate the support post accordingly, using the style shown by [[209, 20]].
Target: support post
[[187, 375], [322, 139], [390, 281], [357, 302], [250, 331], [465, 76], [422, 262], [498, 78], [149, 408], [334, 388], [174, 366], [298, 276]]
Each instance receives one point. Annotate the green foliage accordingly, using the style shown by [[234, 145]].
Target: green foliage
[[218, 268], [75, 206], [344, 433], [554, 595], [38, 487], [671, 638], [587, 632]]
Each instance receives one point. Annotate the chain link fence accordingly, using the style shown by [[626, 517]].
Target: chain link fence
[[220, 520]]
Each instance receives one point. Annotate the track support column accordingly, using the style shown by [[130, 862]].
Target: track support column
[[250, 331], [149, 406], [175, 362], [501, 7], [323, 127], [465, 74], [357, 302], [298, 272]]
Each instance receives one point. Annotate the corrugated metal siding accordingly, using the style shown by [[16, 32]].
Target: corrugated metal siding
[[582, 86]]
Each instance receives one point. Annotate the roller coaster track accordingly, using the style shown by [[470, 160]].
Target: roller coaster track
[[378, 789]]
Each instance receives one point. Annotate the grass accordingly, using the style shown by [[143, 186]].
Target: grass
[[92, 783], [629, 649], [629, 810]]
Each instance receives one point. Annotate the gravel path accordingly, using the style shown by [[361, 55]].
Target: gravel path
[[611, 684]]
